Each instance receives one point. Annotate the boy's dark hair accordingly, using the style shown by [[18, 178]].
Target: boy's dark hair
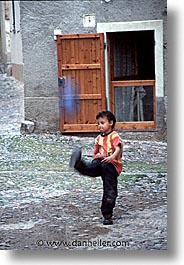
[[108, 114]]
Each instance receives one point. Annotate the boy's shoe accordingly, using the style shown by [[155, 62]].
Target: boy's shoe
[[75, 157], [107, 221]]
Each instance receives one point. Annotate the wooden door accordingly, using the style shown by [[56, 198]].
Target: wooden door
[[81, 81]]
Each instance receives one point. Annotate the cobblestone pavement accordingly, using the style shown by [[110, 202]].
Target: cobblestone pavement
[[11, 105], [45, 205]]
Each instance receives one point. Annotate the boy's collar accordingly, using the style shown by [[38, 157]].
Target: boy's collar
[[105, 134]]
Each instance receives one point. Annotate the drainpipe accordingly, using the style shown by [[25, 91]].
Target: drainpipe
[[13, 16], [106, 73]]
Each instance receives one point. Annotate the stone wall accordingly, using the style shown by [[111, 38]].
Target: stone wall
[[39, 19]]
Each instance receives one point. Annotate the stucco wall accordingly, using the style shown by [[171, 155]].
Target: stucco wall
[[38, 21]]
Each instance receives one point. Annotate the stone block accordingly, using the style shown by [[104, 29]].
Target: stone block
[[27, 127]]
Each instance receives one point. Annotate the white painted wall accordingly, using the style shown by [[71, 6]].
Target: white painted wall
[[15, 37]]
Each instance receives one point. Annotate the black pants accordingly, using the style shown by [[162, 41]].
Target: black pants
[[109, 176]]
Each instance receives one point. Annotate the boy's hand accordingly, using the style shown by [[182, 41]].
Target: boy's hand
[[108, 159]]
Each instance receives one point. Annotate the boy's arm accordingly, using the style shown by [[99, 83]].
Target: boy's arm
[[95, 150]]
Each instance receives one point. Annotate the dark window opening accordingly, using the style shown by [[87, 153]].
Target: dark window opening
[[132, 55]]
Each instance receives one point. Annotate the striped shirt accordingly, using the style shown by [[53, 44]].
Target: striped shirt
[[105, 145]]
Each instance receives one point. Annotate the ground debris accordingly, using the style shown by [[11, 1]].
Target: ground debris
[[44, 204]]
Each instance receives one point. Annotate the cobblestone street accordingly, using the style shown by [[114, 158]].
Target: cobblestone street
[[45, 205]]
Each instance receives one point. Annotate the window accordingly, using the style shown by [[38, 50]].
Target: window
[[132, 76]]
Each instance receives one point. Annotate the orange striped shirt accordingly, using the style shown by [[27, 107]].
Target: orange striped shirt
[[106, 145]]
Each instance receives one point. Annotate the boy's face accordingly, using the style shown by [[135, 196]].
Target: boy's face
[[104, 126]]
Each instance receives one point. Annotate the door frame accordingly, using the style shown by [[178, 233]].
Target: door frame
[[157, 27]]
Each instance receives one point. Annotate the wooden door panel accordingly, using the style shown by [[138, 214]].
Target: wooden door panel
[[81, 63]]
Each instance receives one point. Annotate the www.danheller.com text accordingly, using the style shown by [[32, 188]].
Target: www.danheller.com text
[[82, 243]]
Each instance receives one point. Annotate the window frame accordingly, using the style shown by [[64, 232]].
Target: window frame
[[157, 27]]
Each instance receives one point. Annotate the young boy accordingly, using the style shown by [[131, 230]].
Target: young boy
[[107, 162]]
